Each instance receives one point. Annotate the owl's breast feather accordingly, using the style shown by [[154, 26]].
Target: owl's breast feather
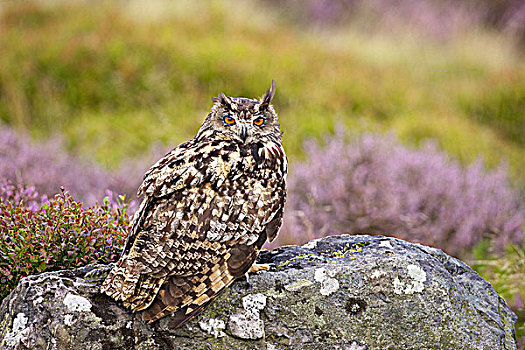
[[259, 155]]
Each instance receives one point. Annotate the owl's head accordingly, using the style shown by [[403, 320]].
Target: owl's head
[[242, 119]]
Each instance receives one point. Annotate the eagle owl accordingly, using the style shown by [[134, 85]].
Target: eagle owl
[[209, 205]]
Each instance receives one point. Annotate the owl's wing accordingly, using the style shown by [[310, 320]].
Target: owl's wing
[[173, 192], [186, 166]]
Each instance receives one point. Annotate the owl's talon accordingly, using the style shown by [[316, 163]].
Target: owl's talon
[[259, 267], [256, 268]]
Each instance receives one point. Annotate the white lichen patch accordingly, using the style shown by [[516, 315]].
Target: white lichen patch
[[398, 286], [320, 274], [19, 331], [311, 245], [254, 303], [68, 320], [328, 284], [248, 324], [417, 273], [356, 346], [38, 301], [415, 283], [245, 326], [75, 302], [386, 244], [214, 327], [378, 273], [297, 285]]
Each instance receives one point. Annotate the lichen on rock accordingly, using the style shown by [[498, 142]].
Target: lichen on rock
[[329, 284], [248, 324], [214, 327], [414, 282], [18, 332], [75, 302]]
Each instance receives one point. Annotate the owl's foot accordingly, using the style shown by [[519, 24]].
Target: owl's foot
[[258, 267]]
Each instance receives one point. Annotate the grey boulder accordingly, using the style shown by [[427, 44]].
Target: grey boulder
[[339, 292]]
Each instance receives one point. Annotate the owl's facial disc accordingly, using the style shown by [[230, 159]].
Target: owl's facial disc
[[244, 120]]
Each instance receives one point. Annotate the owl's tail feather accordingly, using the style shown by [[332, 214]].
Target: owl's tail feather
[[136, 291], [119, 284], [145, 292], [187, 297], [157, 310]]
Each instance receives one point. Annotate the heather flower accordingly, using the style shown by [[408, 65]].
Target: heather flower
[[434, 18], [46, 167], [20, 194], [376, 185]]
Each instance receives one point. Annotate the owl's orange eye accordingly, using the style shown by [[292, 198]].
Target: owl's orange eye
[[259, 121], [228, 120]]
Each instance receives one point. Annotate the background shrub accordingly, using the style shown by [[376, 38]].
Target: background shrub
[[46, 166], [374, 184], [57, 234]]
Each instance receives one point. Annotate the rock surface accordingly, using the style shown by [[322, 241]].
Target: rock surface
[[340, 292]]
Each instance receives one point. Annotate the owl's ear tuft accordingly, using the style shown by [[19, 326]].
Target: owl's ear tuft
[[268, 96], [222, 99]]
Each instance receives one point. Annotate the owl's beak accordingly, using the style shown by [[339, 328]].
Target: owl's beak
[[244, 132]]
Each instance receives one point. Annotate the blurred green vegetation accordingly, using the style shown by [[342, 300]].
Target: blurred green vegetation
[[507, 275], [113, 78]]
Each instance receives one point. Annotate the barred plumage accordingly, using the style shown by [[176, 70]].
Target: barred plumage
[[209, 205]]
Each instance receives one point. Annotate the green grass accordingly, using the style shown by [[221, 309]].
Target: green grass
[[113, 79], [507, 276]]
